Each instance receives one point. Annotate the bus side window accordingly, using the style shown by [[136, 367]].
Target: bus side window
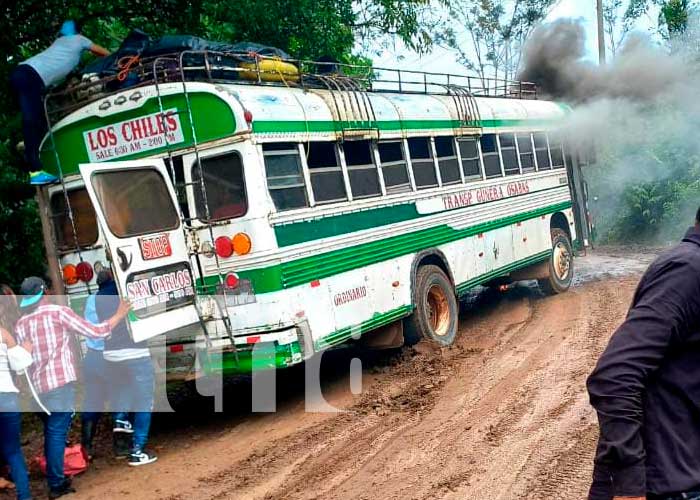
[[489, 150], [364, 178], [285, 179], [394, 168], [471, 162], [225, 187], [527, 155], [422, 162], [326, 173], [556, 151], [509, 154], [447, 160], [542, 151]]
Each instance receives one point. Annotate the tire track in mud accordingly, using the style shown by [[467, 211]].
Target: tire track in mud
[[507, 419], [501, 415]]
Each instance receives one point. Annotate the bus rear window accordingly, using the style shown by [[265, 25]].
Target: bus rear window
[[83, 216], [224, 185], [135, 202]]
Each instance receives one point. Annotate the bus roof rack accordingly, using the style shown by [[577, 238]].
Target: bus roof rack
[[253, 69]]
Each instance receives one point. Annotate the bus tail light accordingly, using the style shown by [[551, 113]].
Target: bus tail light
[[242, 244], [84, 272], [231, 280], [70, 274], [224, 247]]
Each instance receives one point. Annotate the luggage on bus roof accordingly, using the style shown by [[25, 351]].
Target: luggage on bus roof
[[138, 43]]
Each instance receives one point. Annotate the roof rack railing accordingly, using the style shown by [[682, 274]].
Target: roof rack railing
[[248, 68]]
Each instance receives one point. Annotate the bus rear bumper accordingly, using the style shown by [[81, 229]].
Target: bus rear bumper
[[254, 352]]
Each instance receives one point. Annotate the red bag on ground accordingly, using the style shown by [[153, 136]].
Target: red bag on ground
[[74, 461]]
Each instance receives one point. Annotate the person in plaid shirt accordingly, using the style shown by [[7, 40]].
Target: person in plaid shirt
[[49, 328]]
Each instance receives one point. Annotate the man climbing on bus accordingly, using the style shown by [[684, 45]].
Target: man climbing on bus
[[30, 80]]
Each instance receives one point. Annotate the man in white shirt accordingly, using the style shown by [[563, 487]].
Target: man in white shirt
[[30, 80]]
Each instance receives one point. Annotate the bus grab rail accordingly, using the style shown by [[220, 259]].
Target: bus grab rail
[[218, 67]]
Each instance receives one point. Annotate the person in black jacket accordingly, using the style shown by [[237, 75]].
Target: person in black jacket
[[646, 386], [132, 377]]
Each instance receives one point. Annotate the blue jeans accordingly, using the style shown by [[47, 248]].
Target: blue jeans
[[96, 386], [29, 88], [10, 447], [61, 403], [133, 384]]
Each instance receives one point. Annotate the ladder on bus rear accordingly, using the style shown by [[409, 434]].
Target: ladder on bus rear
[[45, 204], [206, 318]]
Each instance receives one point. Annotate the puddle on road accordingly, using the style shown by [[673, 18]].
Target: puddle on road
[[612, 263]]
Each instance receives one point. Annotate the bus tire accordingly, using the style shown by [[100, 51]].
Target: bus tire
[[561, 265], [436, 312]]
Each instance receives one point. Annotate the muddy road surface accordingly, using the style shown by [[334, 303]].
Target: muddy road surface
[[501, 415]]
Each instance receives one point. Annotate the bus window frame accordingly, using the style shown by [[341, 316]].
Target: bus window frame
[[53, 217], [375, 164], [341, 166], [423, 161], [535, 149], [455, 157], [404, 161], [201, 217], [477, 142], [497, 153], [515, 149], [311, 202]]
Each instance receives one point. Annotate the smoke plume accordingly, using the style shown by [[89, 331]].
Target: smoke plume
[[640, 113], [554, 58]]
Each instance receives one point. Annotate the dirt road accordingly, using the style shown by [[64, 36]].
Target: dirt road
[[501, 415]]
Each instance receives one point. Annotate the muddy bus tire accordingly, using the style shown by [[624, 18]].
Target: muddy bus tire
[[436, 313], [561, 265]]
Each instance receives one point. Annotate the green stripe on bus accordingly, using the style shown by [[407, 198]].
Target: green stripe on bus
[[379, 319], [323, 265], [318, 126], [293, 233]]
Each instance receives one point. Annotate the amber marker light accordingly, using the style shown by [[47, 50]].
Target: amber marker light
[[70, 274], [242, 244]]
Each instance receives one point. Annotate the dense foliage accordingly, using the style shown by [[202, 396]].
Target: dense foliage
[[303, 28]]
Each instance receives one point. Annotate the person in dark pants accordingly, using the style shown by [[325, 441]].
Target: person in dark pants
[[646, 387], [95, 381], [132, 377], [31, 78]]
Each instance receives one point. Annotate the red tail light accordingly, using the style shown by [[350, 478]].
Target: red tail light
[[224, 247], [231, 280], [84, 272]]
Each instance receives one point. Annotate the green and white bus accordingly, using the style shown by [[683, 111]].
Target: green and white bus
[[302, 217]]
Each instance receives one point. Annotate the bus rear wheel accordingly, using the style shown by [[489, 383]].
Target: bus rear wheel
[[561, 265], [436, 313]]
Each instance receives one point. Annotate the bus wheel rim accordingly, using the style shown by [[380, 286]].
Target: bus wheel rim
[[562, 261], [438, 311]]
